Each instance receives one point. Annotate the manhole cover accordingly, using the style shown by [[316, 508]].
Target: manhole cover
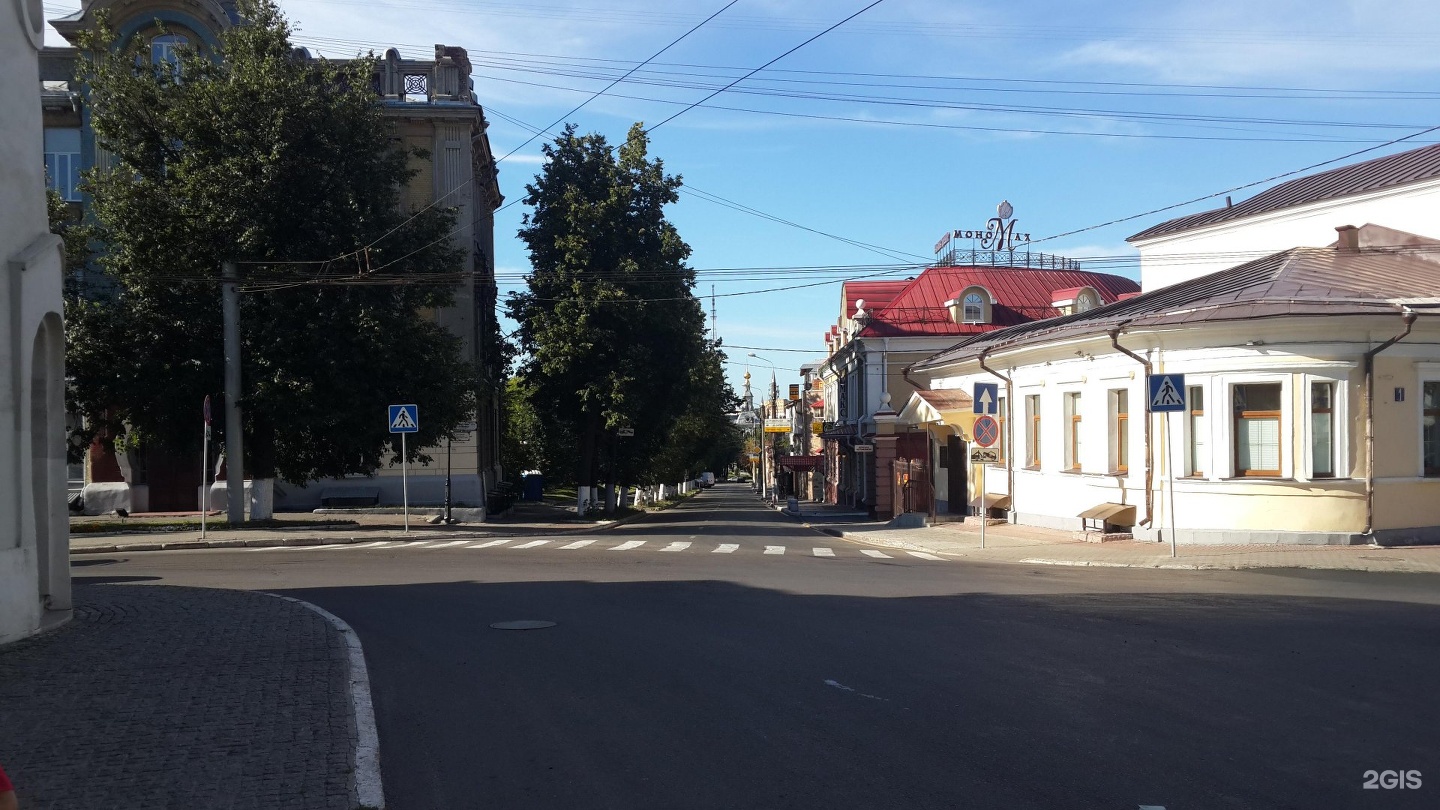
[[523, 624]]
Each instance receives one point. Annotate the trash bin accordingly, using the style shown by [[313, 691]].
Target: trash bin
[[532, 487]]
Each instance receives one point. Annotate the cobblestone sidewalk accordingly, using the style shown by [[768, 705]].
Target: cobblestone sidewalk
[[165, 697]]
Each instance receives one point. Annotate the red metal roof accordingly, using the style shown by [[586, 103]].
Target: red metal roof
[[876, 294], [1021, 296]]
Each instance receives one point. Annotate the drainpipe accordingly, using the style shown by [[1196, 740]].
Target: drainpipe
[[1149, 456], [1009, 437], [1408, 316]]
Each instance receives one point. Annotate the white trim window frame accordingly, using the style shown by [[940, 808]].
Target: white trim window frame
[[1118, 429], [1425, 373], [1339, 414], [1073, 401], [1199, 461], [1224, 425]]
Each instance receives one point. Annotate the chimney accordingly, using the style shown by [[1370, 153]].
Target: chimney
[[1349, 238], [1227, 200]]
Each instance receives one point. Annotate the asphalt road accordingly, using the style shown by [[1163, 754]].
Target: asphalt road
[[704, 678]]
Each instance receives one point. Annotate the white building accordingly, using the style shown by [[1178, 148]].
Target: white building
[[1312, 380], [34, 527], [1400, 191]]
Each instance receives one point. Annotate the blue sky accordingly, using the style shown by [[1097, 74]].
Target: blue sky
[[920, 116]]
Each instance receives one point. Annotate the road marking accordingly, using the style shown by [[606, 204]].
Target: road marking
[[375, 544], [579, 544], [823, 552], [680, 546], [451, 543], [531, 544], [870, 552], [842, 687], [415, 545], [628, 544], [774, 549], [490, 543], [726, 548], [310, 548], [924, 556]]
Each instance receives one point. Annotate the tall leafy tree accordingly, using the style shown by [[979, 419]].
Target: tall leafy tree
[[283, 164], [609, 325]]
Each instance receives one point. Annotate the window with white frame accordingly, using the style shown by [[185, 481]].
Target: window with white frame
[[1032, 433], [974, 308], [1257, 414], [1430, 427], [1120, 430], [1322, 429], [165, 50], [1196, 432], [62, 161], [1073, 431]]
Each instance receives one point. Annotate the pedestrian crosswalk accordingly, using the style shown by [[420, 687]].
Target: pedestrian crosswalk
[[680, 546]]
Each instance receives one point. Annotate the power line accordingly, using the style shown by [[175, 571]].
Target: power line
[[767, 64]]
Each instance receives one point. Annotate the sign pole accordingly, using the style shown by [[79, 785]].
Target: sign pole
[[984, 518], [204, 479], [404, 483], [1170, 466]]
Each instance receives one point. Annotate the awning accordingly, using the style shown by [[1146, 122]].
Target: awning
[[992, 501], [1120, 514], [800, 463]]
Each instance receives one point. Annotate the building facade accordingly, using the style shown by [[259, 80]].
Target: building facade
[[1310, 402], [34, 529], [433, 104]]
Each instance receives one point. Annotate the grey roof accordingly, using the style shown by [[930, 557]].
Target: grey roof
[[1298, 282], [1372, 175]]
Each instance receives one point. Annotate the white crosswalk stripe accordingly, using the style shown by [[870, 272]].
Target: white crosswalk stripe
[[532, 544], [774, 549], [628, 544], [375, 544], [579, 544], [411, 545], [451, 543], [823, 552], [923, 555], [680, 546], [870, 552], [726, 548], [491, 543]]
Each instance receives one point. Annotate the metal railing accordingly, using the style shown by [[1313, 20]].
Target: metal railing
[[1005, 258]]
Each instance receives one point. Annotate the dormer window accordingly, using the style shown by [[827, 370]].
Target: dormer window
[[1086, 299], [974, 308]]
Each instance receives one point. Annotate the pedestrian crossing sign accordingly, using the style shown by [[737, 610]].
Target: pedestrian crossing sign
[[1167, 392], [404, 419]]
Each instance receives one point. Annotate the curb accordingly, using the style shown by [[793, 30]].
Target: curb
[[369, 792]]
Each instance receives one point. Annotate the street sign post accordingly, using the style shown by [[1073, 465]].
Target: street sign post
[[205, 467], [864, 448], [987, 398], [1167, 395], [404, 419], [984, 455]]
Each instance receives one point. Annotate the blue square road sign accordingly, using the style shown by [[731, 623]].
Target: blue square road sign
[[987, 398], [404, 419], [1167, 392]]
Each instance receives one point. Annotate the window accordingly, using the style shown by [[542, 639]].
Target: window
[[1195, 432], [974, 308], [1032, 416], [164, 50], [1431, 425], [1120, 430], [1086, 300], [62, 162], [1257, 429], [1004, 443], [944, 461], [1072, 428], [1322, 430]]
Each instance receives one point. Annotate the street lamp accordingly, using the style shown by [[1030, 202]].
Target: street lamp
[[769, 406]]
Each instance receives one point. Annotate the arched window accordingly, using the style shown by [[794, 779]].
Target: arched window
[[1086, 299], [164, 50], [974, 308]]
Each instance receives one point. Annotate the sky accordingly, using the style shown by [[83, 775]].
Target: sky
[[916, 117]]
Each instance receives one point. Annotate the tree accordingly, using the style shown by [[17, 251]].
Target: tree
[[288, 167], [608, 325]]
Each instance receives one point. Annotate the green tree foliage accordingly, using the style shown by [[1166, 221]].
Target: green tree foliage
[[281, 164], [610, 330]]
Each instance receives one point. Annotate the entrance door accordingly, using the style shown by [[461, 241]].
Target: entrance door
[[958, 475]]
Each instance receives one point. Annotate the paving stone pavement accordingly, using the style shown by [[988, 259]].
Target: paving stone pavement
[[165, 697]]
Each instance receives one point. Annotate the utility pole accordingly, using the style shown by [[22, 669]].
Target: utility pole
[[234, 450]]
